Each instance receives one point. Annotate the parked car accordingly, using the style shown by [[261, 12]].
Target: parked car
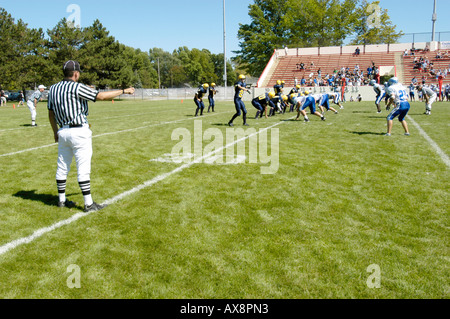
[[13, 96]]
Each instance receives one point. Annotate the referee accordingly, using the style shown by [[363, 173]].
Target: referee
[[68, 110]]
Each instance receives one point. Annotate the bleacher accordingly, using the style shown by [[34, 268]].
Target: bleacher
[[287, 70], [410, 72]]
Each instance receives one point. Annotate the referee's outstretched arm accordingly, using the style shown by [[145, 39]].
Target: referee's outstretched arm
[[104, 96]]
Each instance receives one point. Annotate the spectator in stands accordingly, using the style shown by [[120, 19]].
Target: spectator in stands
[[319, 73], [414, 81], [357, 52], [302, 66], [303, 81]]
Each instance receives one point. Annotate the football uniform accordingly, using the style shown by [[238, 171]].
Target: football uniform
[[398, 93]]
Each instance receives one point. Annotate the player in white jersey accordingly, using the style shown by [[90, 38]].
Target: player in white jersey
[[303, 102], [381, 93], [324, 102], [399, 97], [33, 101], [430, 97], [336, 99]]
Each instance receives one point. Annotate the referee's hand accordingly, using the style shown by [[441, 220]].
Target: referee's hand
[[129, 91]]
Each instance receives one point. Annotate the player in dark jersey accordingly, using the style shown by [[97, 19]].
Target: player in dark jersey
[[239, 88], [294, 90], [211, 92], [262, 102], [198, 99]]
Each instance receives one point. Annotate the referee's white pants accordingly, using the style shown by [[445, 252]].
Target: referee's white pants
[[32, 109], [74, 142], [431, 100]]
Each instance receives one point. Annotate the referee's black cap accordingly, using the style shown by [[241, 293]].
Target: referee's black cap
[[72, 66]]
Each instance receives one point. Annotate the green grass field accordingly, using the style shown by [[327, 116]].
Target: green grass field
[[344, 197]]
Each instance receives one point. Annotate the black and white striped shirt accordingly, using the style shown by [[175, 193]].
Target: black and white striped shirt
[[69, 101]]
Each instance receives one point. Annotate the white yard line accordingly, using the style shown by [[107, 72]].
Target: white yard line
[[432, 143], [40, 232], [112, 133]]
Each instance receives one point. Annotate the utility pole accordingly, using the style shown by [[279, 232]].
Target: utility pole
[[434, 18], [224, 53], [159, 77]]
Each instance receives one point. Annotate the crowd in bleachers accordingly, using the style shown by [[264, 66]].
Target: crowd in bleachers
[[355, 76]]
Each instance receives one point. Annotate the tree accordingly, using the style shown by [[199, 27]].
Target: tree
[[307, 23], [23, 56], [268, 30], [374, 25]]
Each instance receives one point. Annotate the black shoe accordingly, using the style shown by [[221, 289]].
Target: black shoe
[[67, 203], [93, 208], [323, 118], [33, 125], [245, 124]]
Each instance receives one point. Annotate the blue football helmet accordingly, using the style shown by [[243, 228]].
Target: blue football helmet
[[393, 81]]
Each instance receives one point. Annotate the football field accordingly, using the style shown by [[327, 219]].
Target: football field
[[331, 209]]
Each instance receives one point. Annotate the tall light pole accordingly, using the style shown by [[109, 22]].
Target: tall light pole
[[434, 18], [224, 53]]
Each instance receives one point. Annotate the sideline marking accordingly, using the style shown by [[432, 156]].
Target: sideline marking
[[40, 232], [433, 144], [110, 133]]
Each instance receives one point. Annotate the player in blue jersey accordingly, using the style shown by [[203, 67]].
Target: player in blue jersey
[[239, 89], [198, 98], [304, 102], [398, 97], [262, 102], [381, 93]]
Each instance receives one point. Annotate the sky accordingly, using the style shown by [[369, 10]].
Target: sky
[[147, 24]]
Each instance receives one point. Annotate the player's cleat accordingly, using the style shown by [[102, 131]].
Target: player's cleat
[[67, 203], [33, 125], [336, 112], [93, 208], [323, 118], [388, 134], [407, 134], [306, 120], [378, 112], [230, 124], [245, 124]]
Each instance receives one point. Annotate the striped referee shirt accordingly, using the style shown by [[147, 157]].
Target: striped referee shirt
[[69, 101]]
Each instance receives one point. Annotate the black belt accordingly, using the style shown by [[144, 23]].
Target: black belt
[[75, 125]]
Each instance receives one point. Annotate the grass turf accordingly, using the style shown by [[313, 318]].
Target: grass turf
[[344, 197]]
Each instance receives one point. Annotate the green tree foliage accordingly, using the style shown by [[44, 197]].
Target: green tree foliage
[[29, 57], [374, 25], [307, 23], [21, 51]]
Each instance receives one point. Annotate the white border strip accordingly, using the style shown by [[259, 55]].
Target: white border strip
[[40, 232], [433, 144]]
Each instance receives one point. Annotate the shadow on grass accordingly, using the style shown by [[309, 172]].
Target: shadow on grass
[[47, 199], [367, 133]]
